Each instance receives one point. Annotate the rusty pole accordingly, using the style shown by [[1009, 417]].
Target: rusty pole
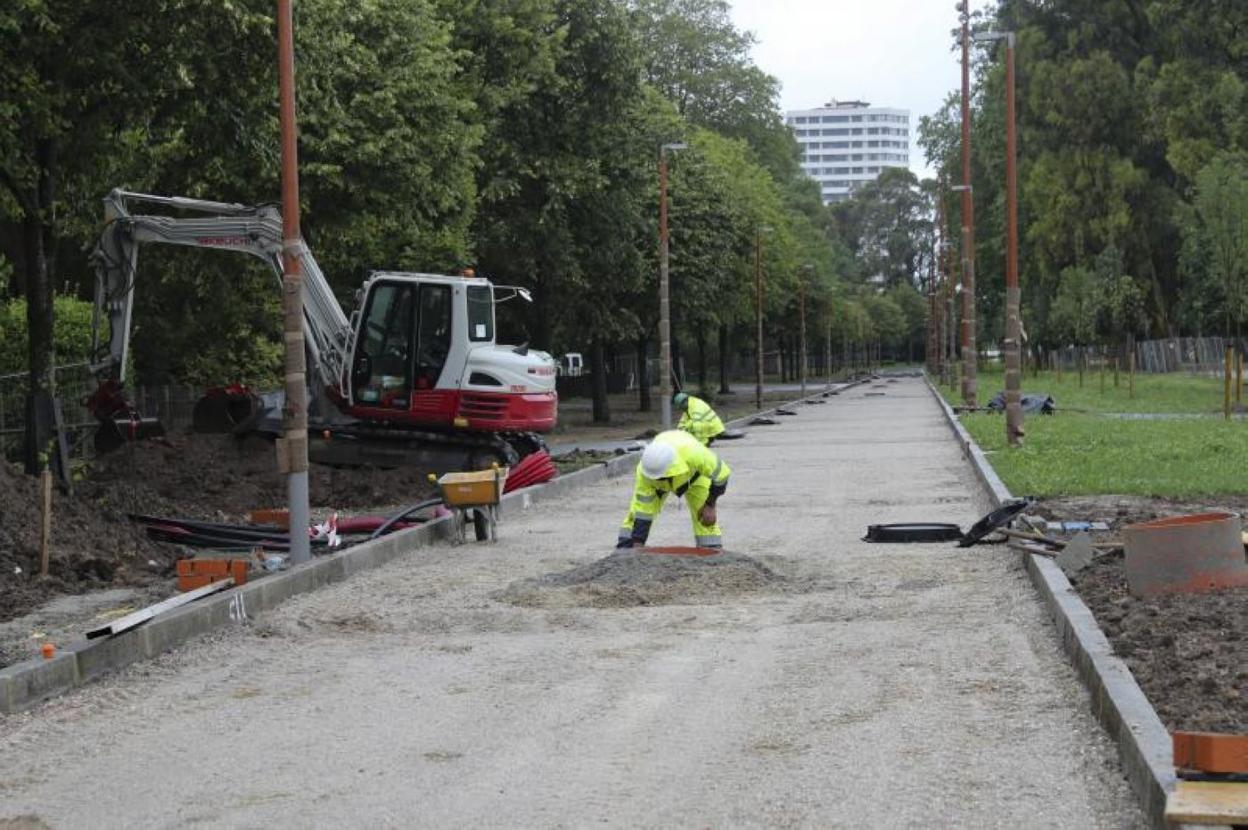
[[969, 349], [665, 320], [801, 299], [1013, 327], [292, 449], [758, 290], [665, 309]]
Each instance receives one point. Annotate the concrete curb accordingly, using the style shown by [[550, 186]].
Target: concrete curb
[[1144, 745], [25, 684]]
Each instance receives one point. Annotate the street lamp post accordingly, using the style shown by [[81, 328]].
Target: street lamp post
[[758, 306], [801, 304], [969, 350], [293, 448], [665, 314], [1013, 327]]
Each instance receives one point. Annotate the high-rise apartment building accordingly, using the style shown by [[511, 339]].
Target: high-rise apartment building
[[846, 144]]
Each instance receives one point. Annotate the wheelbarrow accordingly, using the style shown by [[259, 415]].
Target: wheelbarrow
[[473, 497]]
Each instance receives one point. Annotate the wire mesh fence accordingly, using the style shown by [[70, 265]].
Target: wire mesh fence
[[172, 404], [1194, 355]]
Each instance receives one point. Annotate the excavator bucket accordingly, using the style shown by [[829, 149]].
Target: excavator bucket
[[116, 432], [223, 408], [119, 421]]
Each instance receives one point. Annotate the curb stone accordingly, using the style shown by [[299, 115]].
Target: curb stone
[[25, 684], [1144, 745]]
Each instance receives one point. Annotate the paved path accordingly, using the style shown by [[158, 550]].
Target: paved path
[[913, 685]]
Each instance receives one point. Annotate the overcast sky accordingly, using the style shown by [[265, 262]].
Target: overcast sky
[[893, 53]]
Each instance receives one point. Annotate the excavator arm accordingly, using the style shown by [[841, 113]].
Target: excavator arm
[[222, 226]]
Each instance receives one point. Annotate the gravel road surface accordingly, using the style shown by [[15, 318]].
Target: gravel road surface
[[874, 685]]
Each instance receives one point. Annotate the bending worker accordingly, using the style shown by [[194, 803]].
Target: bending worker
[[697, 418], [675, 462]]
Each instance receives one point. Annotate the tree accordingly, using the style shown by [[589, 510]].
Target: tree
[[1077, 308], [886, 225], [696, 58], [1220, 226], [69, 119]]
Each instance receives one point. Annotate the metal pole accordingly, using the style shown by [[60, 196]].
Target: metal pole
[[665, 320], [801, 302], [969, 350], [758, 289], [827, 349], [1013, 327], [293, 447]]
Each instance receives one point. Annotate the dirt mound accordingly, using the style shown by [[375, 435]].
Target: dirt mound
[[218, 476], [213, 477], [1188, 652], [92, 543], [630, 578]]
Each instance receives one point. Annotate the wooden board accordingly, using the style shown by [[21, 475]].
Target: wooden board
[[1208, 802]]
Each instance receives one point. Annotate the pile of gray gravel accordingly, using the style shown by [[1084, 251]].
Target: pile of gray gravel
[[629, 578]]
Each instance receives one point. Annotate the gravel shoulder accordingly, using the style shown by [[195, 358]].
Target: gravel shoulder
[[888, 685]]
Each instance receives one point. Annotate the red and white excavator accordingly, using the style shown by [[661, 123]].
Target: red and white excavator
[[412, 376]]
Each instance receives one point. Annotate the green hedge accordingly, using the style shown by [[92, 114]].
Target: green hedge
[[71, 333]]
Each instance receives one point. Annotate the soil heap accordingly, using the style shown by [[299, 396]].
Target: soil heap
[[213, 477], [630, 578]]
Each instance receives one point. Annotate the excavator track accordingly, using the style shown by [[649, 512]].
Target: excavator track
[[365, 445]]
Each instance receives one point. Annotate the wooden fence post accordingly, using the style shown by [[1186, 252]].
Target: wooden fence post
[[1226, 384], [45, 531]]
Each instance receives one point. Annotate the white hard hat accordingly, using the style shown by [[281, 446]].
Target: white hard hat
[[656, 459]]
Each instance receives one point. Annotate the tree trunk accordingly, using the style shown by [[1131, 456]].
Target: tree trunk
[[724, 388], [602, 406], [644, 403], [677, 361], [701, 338], [38, 230]]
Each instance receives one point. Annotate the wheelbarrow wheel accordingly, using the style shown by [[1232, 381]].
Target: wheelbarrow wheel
[[481, 523]]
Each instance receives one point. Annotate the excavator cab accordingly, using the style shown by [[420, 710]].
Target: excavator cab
[[424, 355]]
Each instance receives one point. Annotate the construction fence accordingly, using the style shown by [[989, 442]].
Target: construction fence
[[73, 383], [1194, 355]]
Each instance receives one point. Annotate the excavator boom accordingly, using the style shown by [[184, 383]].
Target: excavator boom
[[416, 365]]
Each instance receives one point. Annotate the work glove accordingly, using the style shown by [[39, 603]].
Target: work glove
[[707, 514]]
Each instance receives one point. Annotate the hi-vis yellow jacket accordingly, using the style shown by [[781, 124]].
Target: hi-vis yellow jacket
[[700, 421]]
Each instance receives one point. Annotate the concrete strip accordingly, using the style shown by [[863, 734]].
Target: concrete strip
[[25, 684], [1121, 706]]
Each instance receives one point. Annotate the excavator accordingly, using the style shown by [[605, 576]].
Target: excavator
[[412, 376]]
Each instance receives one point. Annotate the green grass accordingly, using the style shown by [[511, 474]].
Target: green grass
[[1176, 392], [1082, 451], [1076, 454]]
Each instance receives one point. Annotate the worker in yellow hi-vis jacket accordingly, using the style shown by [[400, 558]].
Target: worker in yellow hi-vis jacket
[[697, 418], [676, 462]]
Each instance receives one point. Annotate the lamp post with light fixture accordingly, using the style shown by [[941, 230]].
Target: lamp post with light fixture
[[969, 349], [1013, 326], [759, 230], [665, 314]]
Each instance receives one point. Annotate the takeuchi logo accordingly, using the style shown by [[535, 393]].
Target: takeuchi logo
[[223, 241]]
